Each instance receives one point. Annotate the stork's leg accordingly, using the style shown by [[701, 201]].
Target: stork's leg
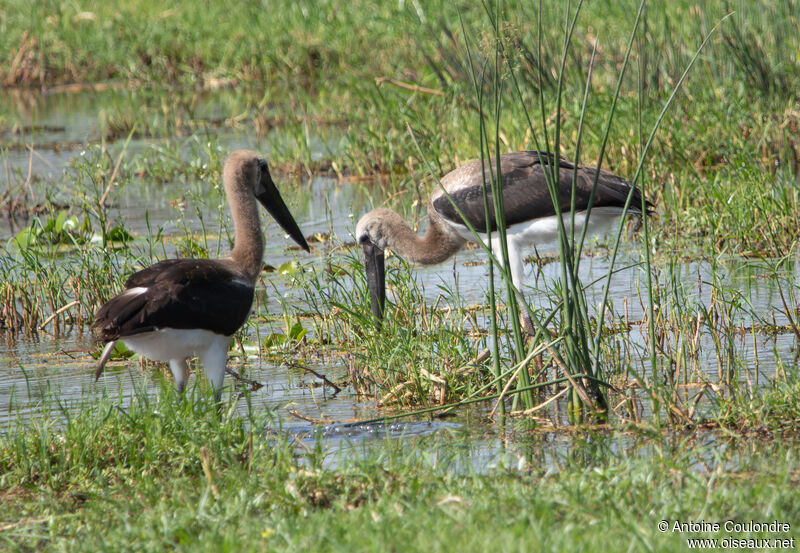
[[515, 260], [527, 323], [179, 370], [214, 359], [515, 255]]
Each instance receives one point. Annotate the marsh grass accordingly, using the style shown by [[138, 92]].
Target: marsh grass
[[574, 352], [279, 87]]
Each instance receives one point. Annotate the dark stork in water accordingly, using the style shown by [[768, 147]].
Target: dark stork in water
[[181, 308]]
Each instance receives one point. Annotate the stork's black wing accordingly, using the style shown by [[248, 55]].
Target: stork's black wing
[[525, 193], [178, 293]]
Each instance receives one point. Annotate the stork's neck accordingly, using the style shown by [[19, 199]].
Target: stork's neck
[[434, 247], [248, 244]]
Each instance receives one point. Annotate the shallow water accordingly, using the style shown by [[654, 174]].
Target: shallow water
[[60, 366]]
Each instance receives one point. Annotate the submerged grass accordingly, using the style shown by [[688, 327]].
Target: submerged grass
[[429, 352]]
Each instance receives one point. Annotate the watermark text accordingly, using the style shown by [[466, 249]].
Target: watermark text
[[736, 534]]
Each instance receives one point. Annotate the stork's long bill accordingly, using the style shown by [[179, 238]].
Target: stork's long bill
[[271, 199], [376, 279]]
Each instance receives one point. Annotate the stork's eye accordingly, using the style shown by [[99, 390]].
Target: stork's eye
[[363, 239]]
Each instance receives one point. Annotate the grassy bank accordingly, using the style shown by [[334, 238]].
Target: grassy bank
[[157, 474]]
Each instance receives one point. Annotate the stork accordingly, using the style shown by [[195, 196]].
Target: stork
[[181, 308], [529, 215]]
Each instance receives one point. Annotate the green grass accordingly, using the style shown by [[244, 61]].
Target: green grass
[[158, 473], [334, 87]]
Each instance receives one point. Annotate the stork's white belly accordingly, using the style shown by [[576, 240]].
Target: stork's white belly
[[540, 233], [544, 230], [165, 344]]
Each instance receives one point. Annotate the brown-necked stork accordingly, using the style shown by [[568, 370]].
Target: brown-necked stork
[[529, 215], [182, 308]]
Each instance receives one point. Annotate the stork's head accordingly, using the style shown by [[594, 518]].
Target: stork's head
[[247, 173], [372, 238]]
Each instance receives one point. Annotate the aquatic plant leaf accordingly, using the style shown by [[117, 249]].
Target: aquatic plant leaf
[[297, 332], [58, 224], [70, 223], [120, 351], [289, 268], [118, 234], [25, 238], [274, 340]]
